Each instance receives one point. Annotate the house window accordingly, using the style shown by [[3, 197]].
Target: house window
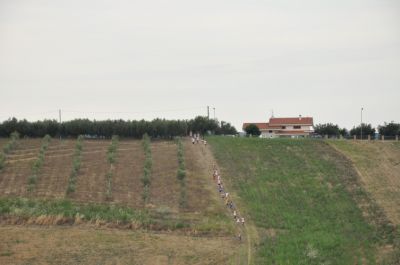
[[270, 131], [297, 127], [283, 127]]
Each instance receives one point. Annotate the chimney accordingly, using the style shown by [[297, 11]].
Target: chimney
[[300, 117]]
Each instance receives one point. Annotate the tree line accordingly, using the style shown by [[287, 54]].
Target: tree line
[[333, 130], [157, 128]]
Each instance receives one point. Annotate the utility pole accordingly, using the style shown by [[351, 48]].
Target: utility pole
[[361, 123], [214, 112], [208, 112]]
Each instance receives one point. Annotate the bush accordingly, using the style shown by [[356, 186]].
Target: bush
[[181, 174], [253, 130]]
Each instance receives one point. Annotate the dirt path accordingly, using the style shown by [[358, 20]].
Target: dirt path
[[250, 231]]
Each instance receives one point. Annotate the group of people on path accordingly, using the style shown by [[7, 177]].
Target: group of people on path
[[227, 198], [196, 139]]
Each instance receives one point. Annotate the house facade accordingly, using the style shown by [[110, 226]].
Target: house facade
[[285, 127]]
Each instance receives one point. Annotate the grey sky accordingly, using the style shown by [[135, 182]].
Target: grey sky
[[147, 59]]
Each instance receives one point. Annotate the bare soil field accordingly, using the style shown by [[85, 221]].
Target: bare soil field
[[127, 186], [86, 243], [378, 164], [74, 245]]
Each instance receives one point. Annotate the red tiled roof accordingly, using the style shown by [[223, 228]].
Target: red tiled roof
[[260, 125], [297, 121]]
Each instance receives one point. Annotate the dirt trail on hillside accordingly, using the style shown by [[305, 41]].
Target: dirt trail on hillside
[[249, 232], [378, 164]]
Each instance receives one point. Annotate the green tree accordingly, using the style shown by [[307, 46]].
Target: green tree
[[389, 129], [343, 132], [366, 130], [253, 130], [328, 129]]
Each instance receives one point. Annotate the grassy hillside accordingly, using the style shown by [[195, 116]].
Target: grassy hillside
[[379, 167], [302, 195]]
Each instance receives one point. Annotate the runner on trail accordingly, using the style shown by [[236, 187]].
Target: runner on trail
[[242, 220], [234, 214], [192, 140], [240, 237], [238, 220], [215, 174]]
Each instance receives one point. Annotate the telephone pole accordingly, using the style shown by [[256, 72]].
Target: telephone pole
[[208, 112], [214, 112]]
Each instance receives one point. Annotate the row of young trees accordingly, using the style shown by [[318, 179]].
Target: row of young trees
[[111, 158], [10, 145], [37, 165], [147, 169], [333, 130], [181, 174], [76, 165], [161, 128]]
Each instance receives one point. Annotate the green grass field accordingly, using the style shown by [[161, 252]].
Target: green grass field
[[302, 196]]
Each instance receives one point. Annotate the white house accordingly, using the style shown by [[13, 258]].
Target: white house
[[285, 127]]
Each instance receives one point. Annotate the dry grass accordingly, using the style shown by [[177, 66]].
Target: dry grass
[[379, 166], [58, 245]]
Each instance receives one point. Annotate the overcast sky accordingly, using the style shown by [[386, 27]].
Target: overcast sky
[[146, 59]]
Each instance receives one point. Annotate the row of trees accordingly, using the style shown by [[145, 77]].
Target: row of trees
[[156, 128], [333, 130]]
